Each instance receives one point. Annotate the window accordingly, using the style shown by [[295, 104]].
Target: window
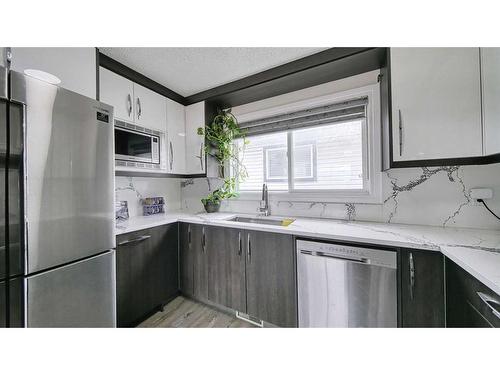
[[339, 157], [265, 160], [328, 157], [312, 152]]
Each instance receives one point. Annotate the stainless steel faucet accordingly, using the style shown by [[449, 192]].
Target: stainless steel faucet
[[264, 203]]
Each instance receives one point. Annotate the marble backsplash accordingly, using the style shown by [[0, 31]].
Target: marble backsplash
[[437, 196], [133, 189]]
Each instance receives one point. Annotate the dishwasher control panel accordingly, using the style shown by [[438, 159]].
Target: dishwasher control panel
[[384, 258]]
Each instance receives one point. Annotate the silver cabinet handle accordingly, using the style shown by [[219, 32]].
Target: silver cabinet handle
[[249, 249], [489, 300], [139, 108], [239, 244], [203, 240], [201, 156], [138, 239], [400, 133], [412, 275], [129, 102], [171, 155], [189, 235]]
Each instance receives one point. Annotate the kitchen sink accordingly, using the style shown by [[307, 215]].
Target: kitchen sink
[[263, 220]]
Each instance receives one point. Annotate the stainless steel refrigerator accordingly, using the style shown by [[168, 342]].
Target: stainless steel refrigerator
[[57, 266]]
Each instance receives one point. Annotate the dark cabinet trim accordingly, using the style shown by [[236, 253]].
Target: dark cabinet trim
[[129, 73], [97, 76], [474, 160], [325, 66], [157, 175]]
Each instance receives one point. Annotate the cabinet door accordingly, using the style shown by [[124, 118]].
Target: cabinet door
[[422, 289], [162, 265], [131, 259], [176, 134], [226, 267], [198, 246], [436, 106], [469, 303], [186, 259], [271, 280], [490, 70], [150, 108], [195, 156], [117, 91]]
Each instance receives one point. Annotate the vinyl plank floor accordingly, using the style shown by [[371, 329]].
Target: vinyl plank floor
[[186, 313]]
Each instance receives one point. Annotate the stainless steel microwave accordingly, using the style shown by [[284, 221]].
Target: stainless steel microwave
[[139, 147]]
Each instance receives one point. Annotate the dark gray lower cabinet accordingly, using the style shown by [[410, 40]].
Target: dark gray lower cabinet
[[193, 261], [146, 272], [186, 260], [270, 278], [200, 272], [251, 272], [226, 267], [422, 297], [469, 303]]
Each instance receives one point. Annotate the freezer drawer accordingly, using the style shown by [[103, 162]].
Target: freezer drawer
[[81, 294]]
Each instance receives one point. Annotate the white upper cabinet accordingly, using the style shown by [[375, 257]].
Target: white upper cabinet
[[117, 91], [195, 155], [150, 108], [490, 60], [176, 134], [132, 102], [75, 67], [436, 103]]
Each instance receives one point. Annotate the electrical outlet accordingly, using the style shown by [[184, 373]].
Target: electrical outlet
[[481, 193]]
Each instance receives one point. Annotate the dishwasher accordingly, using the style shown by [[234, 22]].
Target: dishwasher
[[346, 286]]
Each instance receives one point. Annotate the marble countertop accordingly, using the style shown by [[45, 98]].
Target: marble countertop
[[475, 250]]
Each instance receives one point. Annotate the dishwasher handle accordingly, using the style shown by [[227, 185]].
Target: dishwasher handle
[[327, 255]]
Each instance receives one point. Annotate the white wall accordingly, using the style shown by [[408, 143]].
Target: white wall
[[75, 67], [132, 189], [427, 196]]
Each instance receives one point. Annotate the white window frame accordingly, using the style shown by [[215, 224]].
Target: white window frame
[[372, 153]]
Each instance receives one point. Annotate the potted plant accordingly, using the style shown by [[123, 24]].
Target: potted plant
[[213, 200], [219, 145]]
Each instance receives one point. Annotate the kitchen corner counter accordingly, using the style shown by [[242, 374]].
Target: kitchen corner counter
[[475, 250]]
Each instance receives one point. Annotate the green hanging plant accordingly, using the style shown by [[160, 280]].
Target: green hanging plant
[[219, 145]]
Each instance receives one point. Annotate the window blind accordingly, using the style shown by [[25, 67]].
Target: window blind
[[327, 114]]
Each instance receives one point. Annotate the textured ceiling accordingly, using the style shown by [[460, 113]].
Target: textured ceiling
[[190, 70]]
